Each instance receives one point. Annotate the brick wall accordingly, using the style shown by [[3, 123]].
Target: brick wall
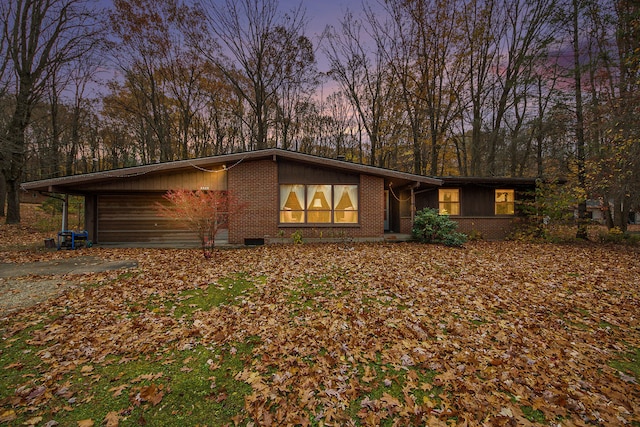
[[406, 225], [256, 185], [371, 207], [496, 228]]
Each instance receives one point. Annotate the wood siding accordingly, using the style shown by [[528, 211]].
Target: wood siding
[[475, 201], [299, 173], [133, 218], [190, 180]]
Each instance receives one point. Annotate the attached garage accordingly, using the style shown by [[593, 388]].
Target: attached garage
[[134, 218], [121, 205]]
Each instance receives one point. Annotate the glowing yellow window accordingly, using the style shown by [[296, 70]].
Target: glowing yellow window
[[449, 201], [505, 202], [292, 203], [346, 204], [319, 203]]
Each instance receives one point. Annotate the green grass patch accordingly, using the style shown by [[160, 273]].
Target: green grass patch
[[309, 293], [225, 291], [169, 388], [19, 362], [629, 363], [533, 415]]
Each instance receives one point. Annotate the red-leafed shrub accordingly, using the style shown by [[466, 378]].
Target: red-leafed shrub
[[204, 212]]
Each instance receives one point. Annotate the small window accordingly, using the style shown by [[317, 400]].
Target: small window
[[505, 202], [405, 204], [449, 201]]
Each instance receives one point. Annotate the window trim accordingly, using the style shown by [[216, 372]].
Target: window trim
[[305, 209]]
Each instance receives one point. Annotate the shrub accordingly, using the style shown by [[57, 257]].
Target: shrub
[[431, 227], [296, 236], [204, 212], [615, 235]]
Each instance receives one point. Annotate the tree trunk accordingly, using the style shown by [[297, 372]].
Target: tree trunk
[[13, 199], [581, 233], [476, 145], [14, 154], [3, 195], [608, 216]]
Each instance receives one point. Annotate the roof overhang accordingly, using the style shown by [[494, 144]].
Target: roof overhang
[[73, 184], [489, 181]]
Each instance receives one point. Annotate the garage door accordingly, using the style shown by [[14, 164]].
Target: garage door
[[133, 219]]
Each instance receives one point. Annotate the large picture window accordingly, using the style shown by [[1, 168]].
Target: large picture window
[[318, 204], [449, 201], [505, 202]]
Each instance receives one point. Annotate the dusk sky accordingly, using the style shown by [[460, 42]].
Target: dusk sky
[[319, 14]]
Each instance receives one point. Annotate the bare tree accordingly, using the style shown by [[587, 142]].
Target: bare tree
[[41, 36], [363, 77], [429, 69], [527, 35], [258, 44], [483, 30]]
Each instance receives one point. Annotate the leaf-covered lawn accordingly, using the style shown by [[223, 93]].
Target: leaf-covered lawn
[[368, 334]]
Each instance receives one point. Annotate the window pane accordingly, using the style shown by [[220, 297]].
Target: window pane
[[319, 203], [346, 203], [292, 203], [405, 203], [505, 202], [449, 201]]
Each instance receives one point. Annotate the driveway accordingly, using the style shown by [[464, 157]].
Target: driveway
[[24, 285]]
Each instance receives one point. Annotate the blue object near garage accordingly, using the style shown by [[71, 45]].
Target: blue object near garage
[[73, 239]]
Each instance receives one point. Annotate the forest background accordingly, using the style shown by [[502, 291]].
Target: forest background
[[542, 88]]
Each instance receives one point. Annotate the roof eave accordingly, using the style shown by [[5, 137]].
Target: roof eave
[[62, 184]]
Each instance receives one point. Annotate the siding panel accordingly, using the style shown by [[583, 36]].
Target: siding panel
[[133, 219]]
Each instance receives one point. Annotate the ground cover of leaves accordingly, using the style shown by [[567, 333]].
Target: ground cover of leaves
[[496, 333]]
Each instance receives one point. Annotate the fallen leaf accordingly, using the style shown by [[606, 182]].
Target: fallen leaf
[[112, 419], [32, 421], [117, 391], [7, 416], [152, 394]]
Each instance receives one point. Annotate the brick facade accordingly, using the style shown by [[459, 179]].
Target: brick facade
[[256, 186], [371, 207], [255, 178], [489, 228], [406, 225]]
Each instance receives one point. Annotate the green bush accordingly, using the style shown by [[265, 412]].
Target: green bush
[[431, 227]]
